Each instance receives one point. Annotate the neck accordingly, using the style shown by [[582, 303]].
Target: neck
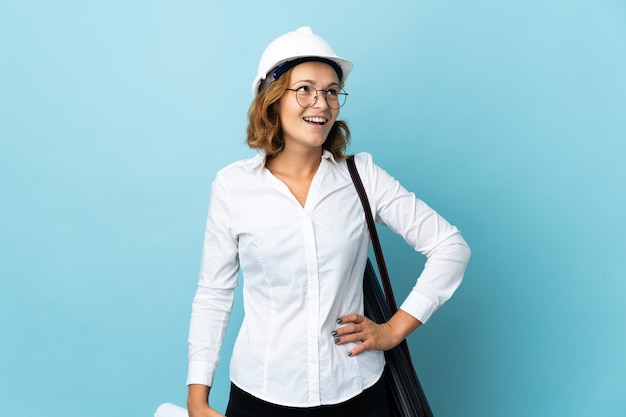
[[295, 164]]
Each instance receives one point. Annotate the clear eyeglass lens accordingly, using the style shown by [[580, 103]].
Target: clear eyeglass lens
[[307, 97]]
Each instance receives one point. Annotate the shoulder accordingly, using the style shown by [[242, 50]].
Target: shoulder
[[365, 164], [239, 169], [363, 159]]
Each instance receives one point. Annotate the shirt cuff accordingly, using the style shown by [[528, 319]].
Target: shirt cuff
[[419, 306], [201, 373]]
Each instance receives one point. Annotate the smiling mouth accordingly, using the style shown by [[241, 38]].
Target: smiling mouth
[[317, 120]]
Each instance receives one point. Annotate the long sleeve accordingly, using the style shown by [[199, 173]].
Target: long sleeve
[[426, 231], [213, 300]]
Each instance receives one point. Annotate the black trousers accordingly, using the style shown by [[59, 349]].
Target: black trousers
[[370, 403]]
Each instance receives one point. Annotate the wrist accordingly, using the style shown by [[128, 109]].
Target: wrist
[[395, 336], [198, 396], [402, 324]]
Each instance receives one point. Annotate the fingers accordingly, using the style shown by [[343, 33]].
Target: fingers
[[356, 328], [351, 328], [351, 318], [360, 348], [348, 334], [366, 334]]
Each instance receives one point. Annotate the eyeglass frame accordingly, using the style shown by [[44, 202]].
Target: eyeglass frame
[[340, 92]]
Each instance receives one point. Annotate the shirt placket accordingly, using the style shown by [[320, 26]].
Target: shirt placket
[[313, 308]]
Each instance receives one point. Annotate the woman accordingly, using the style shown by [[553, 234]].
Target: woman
[[291, 220]]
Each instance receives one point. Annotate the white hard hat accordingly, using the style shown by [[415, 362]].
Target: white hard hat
[[293, 48]]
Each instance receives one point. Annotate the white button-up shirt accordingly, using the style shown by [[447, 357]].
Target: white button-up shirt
[[302, 269]]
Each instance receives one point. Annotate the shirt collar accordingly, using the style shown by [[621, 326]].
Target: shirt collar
[[257, 163], [328, 155]]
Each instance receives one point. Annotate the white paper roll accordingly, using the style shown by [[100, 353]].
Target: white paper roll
[[170, 410]]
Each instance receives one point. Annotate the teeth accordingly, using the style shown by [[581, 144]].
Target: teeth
[[315, 119]]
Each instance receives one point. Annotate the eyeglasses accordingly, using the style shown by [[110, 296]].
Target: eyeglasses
[[306, 96]]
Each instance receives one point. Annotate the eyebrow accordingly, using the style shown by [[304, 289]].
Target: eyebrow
[[333, 84]]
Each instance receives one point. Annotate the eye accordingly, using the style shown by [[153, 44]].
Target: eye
[[333, 92], [307, 89]]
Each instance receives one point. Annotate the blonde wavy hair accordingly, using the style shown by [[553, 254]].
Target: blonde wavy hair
[[264, 130]]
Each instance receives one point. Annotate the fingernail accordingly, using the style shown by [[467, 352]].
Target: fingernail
[[337, 340], [334, 333], [339, 320], [349, 353]]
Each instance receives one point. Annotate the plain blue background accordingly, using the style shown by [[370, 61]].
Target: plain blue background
[[507, 117]]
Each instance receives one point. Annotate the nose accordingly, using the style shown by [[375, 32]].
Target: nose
[[318, 101]]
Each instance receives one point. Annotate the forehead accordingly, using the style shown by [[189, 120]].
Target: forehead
[[315, 72]]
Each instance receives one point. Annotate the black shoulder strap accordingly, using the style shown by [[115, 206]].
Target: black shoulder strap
[[378, 251], [403, 348]]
